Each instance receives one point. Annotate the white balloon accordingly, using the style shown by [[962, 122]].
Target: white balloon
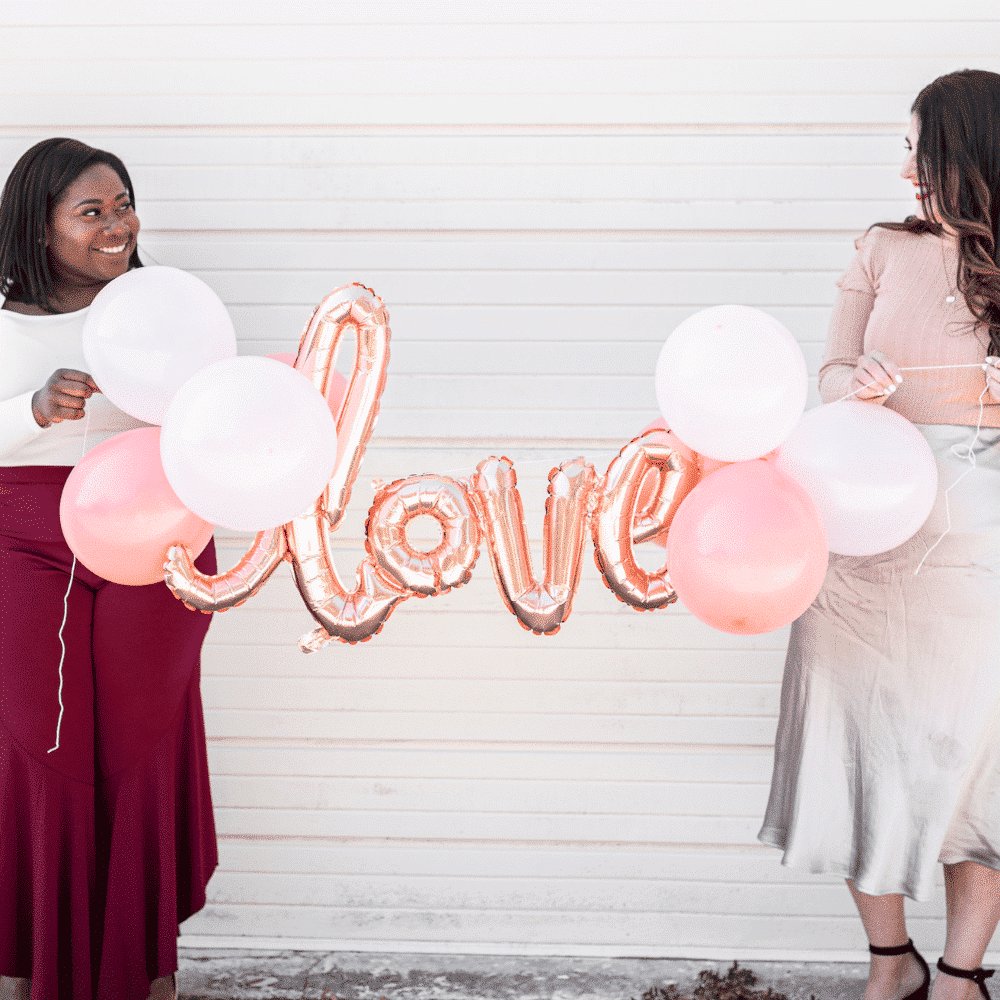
[[731, 382], [147, 332], [870, 472], [248, 443]]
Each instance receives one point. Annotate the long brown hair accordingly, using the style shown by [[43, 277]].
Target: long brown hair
[[958, 159]]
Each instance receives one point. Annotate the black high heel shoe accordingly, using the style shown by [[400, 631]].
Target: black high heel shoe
[[979, 975], [920, 993]]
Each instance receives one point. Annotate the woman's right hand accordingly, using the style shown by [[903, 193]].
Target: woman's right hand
[[63, 397], [876, 377]]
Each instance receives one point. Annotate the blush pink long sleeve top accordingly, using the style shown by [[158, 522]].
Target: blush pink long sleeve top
[[893, 299]]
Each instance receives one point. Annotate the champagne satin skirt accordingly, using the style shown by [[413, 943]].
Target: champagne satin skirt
[[887, 753]]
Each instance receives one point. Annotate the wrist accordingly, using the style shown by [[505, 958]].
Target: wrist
[[37, 413]]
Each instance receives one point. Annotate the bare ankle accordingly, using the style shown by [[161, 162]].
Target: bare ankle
[[164, 988], [891, 977], [14, 989]]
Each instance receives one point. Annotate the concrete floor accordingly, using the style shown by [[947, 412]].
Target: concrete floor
[[284, 975]]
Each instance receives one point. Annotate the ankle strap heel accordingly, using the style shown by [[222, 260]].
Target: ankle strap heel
[[896, 949], [980, 975], [921, 992]]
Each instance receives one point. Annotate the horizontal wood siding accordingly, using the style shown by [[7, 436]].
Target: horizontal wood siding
[[540, 192]]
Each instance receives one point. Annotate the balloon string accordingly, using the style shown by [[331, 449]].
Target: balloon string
[[914, 368], [62, 643], [961, 452]]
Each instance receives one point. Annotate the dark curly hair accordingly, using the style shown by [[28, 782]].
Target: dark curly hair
[[958, 158], [37, 181]]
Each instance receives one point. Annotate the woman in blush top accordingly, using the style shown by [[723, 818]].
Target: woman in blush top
[[887, 754], [107, 843]]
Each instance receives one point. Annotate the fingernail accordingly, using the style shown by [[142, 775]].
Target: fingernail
[[892, 388], [899, 378]]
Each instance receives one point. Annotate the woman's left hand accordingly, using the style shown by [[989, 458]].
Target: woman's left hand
[[993, 377]]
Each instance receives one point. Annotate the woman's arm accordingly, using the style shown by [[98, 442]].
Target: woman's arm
[[18, 425], [845, 343], [846, 367]]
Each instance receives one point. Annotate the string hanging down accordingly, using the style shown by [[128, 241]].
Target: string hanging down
[[914, 368], [960, 451], [62, 642]]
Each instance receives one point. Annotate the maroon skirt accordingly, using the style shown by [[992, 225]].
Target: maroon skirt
[[106, 844]]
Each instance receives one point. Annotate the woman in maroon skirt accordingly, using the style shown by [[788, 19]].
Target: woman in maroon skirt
[[106, 843]]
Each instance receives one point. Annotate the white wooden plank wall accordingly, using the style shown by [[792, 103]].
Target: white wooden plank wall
[[540, 192]]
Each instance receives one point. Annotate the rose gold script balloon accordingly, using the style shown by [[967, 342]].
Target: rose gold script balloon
[[613, 520], [448, 564], [539, 607], [349, 614]]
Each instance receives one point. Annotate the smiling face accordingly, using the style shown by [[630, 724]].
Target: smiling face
[[909, 170], [91, 231]]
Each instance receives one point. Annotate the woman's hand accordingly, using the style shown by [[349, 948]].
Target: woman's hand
[[876, 377], [992, 367], [63, 397]]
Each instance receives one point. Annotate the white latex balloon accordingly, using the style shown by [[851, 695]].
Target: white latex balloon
[[147, 332], [731, 382], [248, 443], [870, 472]]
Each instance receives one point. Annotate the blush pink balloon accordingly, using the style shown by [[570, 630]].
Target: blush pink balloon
[[709, 465], [119, 515], [706, 466], [747, 552]]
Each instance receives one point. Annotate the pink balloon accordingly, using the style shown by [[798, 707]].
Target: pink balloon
[[706, 466], [710, 465], [870, 472], [119, 515], [286, 358], [747, 551]]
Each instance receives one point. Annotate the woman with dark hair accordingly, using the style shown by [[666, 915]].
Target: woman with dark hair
[[106, 832], [887, 755]]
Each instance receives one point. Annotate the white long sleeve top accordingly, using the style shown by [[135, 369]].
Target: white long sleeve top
[[31, 349]]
